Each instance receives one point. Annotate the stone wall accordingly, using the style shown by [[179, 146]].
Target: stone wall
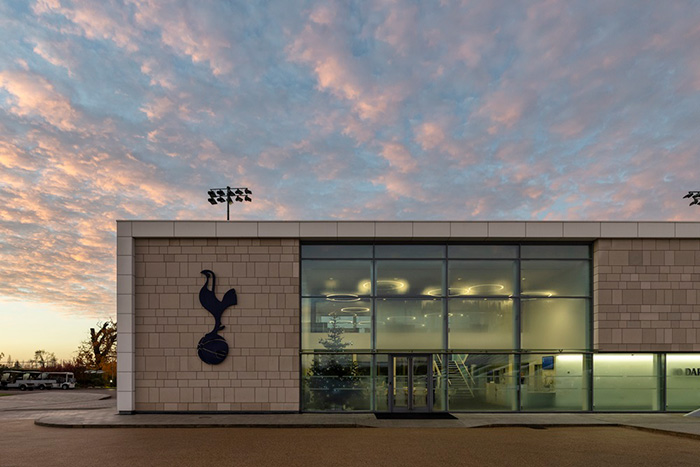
[[261, 372], [647, 294]]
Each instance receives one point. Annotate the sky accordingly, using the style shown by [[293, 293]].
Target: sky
[[392, 109]]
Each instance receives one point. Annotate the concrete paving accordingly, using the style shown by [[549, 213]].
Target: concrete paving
[[97, 409], [663, 423], [25, 444], [55, 399]]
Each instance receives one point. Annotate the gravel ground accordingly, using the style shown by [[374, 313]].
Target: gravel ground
[[23, 444]]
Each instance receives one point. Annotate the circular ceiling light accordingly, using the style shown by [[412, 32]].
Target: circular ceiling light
[[481, 289], [355, 309], [386, 285], [540, 293], [342, 297], [451, 292]]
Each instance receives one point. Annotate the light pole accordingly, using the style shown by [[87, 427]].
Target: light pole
[[228, 195], [696, 197]]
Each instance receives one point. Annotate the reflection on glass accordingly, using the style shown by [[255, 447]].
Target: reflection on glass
[[410, 278], [401, 383], [481, 382], [480, 324], [626, 382], [336, 251], [381, 392], [682, 382], [439, 375], [553, 382], [319, 315], [555, 278], [487, 278], [410, 251], [334, 277], [336, 382], [554, 323], [554, 251], [409, 324], [482, 251], [421, 385]]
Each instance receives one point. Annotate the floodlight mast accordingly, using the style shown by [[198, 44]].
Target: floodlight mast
[[696, 198], [228, 195]]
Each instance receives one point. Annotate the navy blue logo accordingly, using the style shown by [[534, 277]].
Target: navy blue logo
[[212, 348]]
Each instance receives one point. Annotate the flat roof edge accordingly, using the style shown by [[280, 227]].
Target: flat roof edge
[[410, 230]]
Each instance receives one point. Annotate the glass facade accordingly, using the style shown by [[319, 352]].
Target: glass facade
[[466, 327]]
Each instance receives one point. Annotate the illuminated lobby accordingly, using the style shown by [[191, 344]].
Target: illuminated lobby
[[411, 316]]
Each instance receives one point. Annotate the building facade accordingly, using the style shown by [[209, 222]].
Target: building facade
[[408, 316]]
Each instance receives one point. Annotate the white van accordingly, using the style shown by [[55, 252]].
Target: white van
[[17, 379], [61, 379]]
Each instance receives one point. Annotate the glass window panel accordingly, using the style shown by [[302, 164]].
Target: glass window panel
[[553, 382], [481, 382], [351, 319], [555, 278], [482, 251], [682, 382], [625, 382], [410, 251], [409, 324], [480, 324], [440, 363], [336, 383], [336, 251], [481, 277], [410, 278], [554, 251], [344, 277], [551, 323], [422, 376], [381, 387]]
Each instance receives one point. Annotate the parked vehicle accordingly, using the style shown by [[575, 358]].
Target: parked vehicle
[[17, 379], [62, 380]]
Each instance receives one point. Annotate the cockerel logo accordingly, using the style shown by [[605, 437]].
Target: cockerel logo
[[212, 348]]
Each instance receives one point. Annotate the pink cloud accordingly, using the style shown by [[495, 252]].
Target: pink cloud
[[322, 47], [189, 32], [504, 108], [34, 96], [399, 28], [399, 157], [435, 137]]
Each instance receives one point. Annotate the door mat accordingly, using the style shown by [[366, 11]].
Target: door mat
[[415, 416]]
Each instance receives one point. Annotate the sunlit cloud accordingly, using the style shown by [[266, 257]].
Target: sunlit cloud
[[544, 109]]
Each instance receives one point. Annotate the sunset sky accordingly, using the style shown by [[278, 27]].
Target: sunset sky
[[132, 109]]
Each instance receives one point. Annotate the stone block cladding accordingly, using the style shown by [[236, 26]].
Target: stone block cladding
[[261, 372], [646, 295]]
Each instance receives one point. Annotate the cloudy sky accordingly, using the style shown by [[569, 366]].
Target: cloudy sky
[[132, 109]]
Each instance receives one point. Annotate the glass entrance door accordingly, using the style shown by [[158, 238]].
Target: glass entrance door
[[410, 383]]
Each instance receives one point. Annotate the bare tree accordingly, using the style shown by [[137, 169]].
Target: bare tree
[[100, 349]]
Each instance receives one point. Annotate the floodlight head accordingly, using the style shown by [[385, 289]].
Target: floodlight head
[[212, 200], [247, 191], [211, 193], [239, 199], [220, 192], [220, 199], [247, 198], [238, 192], [695, 201]]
